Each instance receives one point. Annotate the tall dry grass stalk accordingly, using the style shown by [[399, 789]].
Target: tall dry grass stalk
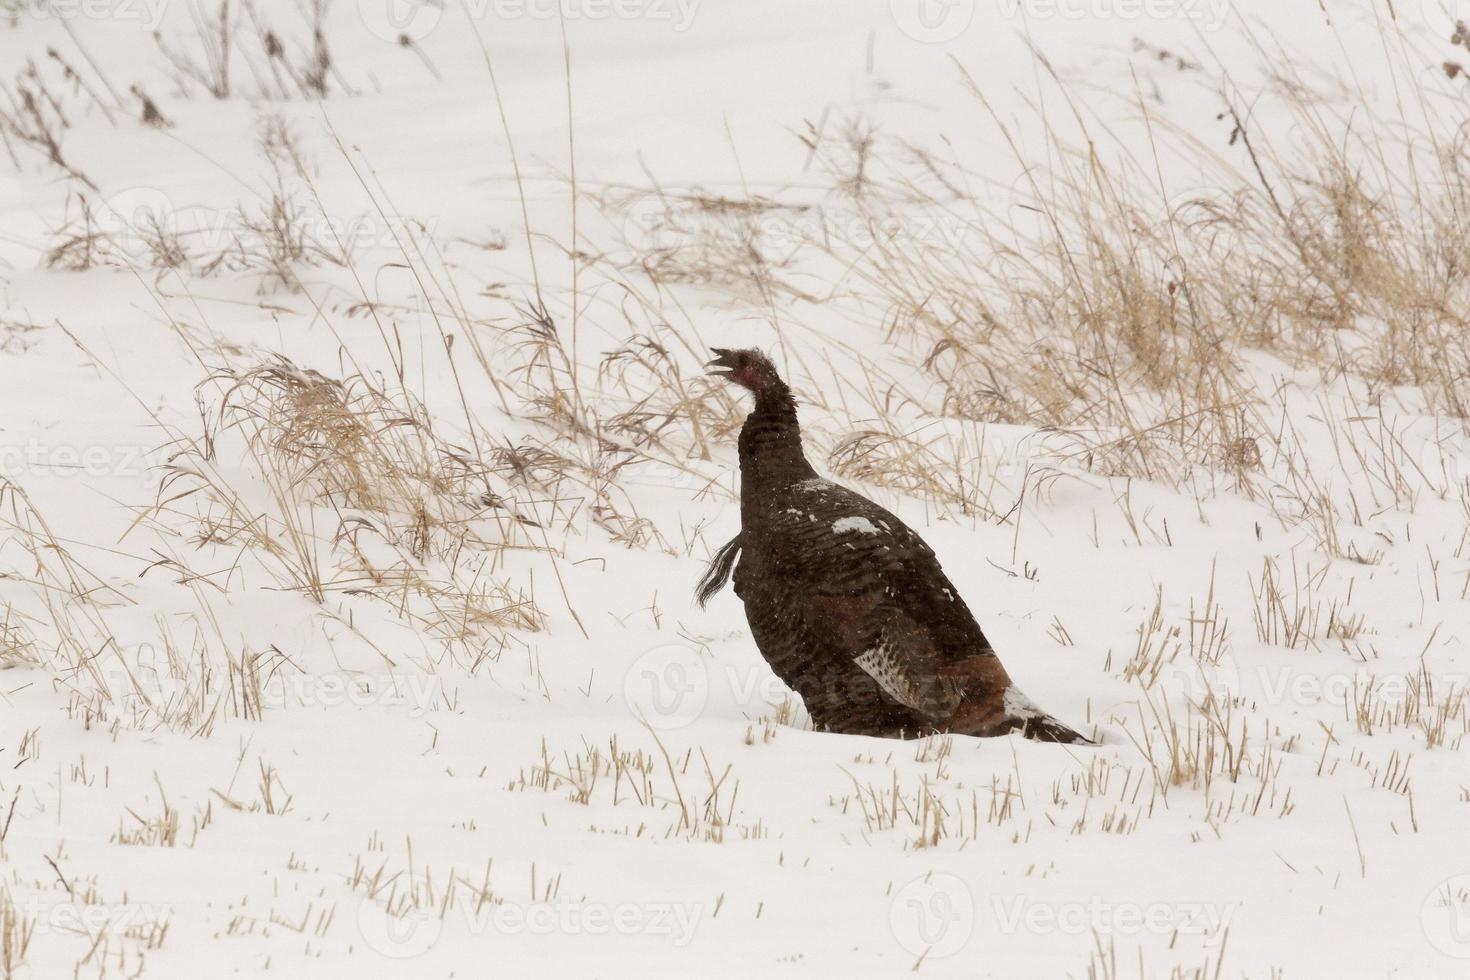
[[1147, 328]]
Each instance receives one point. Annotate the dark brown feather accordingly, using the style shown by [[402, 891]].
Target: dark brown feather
[[847, 604]]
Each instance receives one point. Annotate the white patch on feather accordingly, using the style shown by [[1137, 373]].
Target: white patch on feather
[[859, 524], [880, 664], [1018, 705]]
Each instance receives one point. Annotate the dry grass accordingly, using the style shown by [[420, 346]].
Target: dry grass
[[281, 66], [1279, 333], [16, 932], [1122, 319], [352, 491], [696, 799], [1102, 963]]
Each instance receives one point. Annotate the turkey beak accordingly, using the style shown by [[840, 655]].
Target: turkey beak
[[723, 364]]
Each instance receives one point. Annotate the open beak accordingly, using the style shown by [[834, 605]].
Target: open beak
[[723, 364]]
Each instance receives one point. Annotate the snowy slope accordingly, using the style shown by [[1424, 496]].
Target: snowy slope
[[516, 747]]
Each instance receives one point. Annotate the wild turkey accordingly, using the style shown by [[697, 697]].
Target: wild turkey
[[847, 604]]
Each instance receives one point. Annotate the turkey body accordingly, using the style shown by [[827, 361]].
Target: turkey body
[[848, 605]]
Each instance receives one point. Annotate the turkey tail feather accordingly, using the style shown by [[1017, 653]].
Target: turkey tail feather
[[718, 572], [991, 715]]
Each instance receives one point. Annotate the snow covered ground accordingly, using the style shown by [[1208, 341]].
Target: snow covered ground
[[356, 472]]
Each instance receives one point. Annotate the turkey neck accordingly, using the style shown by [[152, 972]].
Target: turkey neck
[[770, 446]]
